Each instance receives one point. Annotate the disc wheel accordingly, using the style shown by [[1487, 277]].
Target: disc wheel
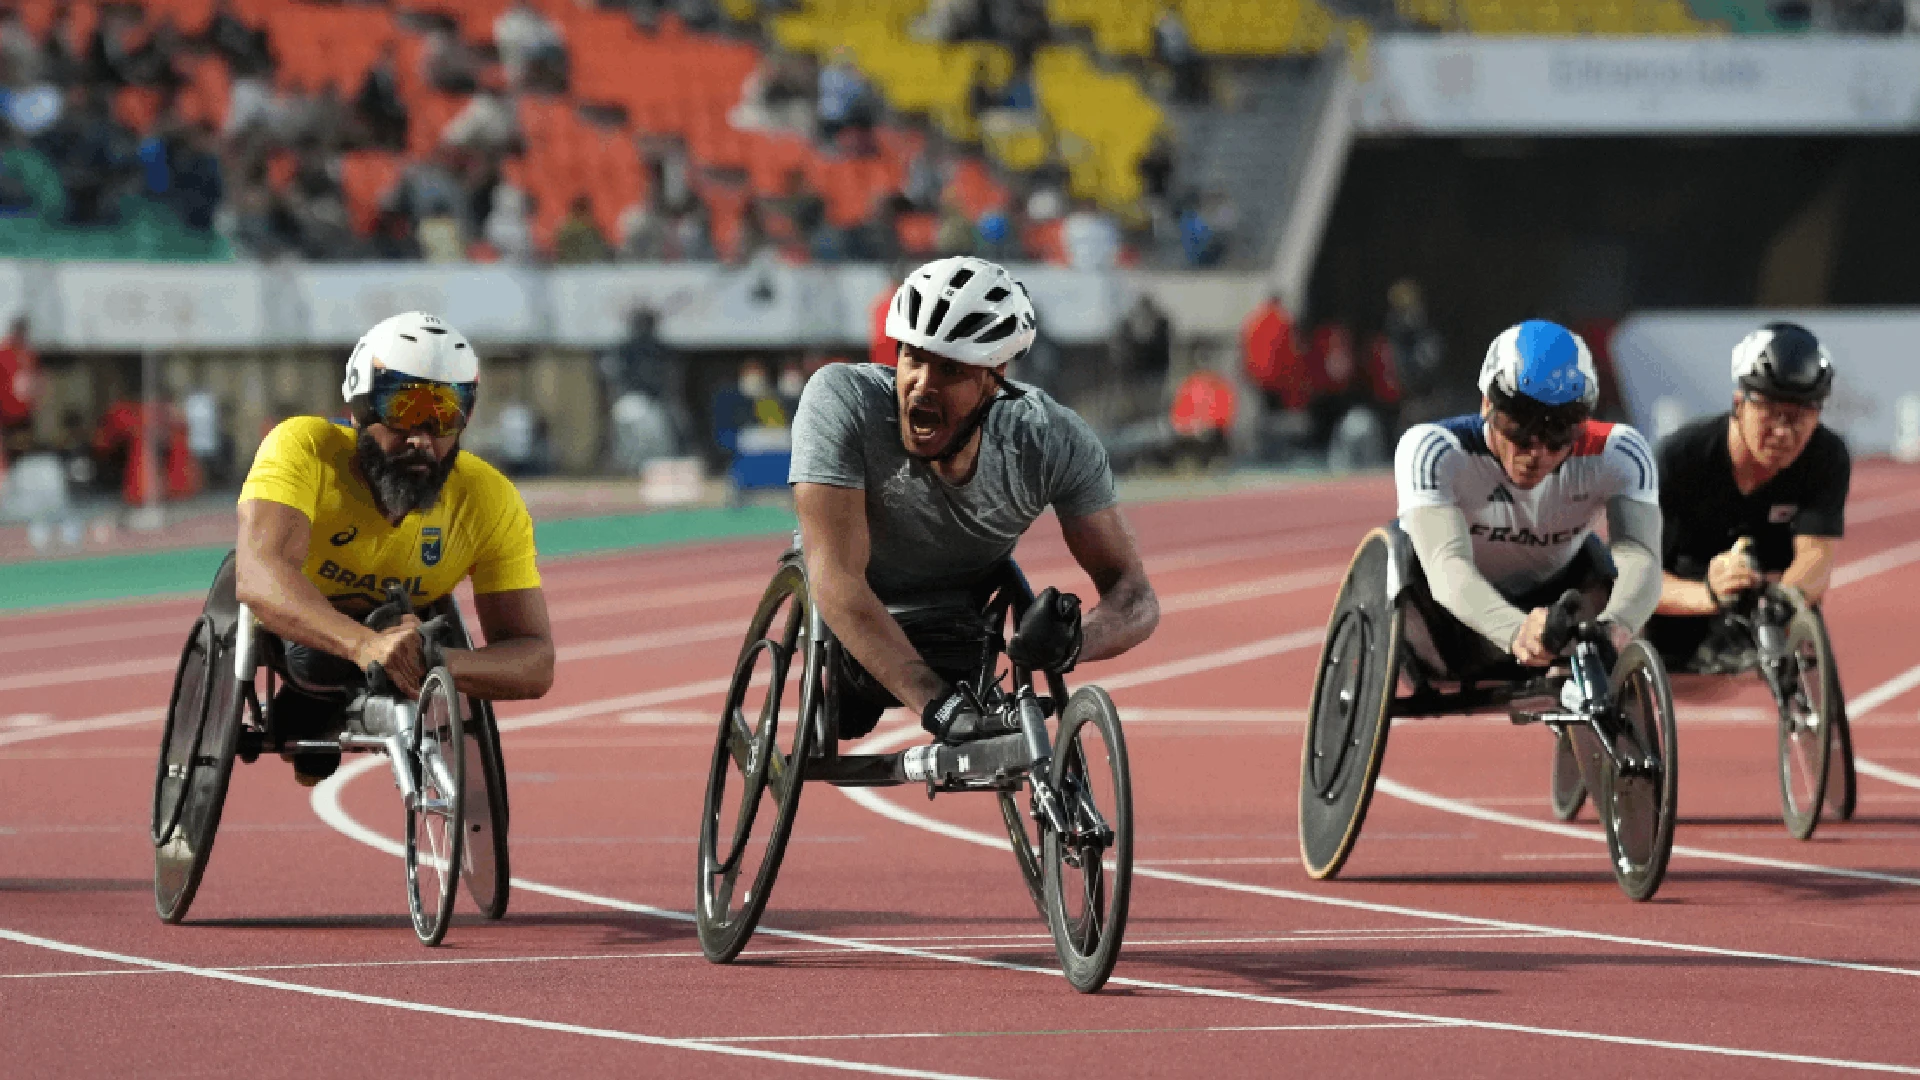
[[1569, 791], [1637, 810], [197, 747], [1347, 721], [756, 773], [436, 814], [1087, 877], [1805, 698], [483, 860]]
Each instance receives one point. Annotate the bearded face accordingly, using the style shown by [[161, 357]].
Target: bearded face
[[408, 479]]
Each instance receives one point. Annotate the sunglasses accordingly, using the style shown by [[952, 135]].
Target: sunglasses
[[1550, 432], [413, 405]]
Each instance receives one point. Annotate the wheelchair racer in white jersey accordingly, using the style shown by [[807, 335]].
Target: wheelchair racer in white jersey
[[1500, 506]]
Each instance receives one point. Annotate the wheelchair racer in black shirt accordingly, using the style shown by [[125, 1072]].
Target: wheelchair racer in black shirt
[[1752, 496]]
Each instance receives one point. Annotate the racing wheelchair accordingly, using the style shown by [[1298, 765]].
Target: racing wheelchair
[[1775, 632], [1076, 858], [1391, 652], [445, 758]]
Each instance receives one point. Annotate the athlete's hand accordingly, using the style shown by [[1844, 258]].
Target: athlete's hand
[[1527, 646], [397, 650], [1732, 572], [1049, 637]]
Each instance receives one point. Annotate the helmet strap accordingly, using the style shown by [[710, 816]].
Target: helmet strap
[[965, 435]]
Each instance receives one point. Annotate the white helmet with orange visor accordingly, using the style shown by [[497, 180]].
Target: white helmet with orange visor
[[413, 373]]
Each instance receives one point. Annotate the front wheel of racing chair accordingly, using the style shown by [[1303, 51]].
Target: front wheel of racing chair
[[197, 747], [484, 860], [1637, 809], [437, 755], [1351, 709], [1087, 875], [755, 776], [1799, 670]]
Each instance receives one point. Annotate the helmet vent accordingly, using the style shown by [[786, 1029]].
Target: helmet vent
[[459, 345], [939, 315], [1004, 329], [411, 338], [913, 307], [434, 329], [965, 327], [997, 294], [960, 277]]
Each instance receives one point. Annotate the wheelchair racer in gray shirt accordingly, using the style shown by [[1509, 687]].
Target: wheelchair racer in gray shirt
[[917, 482]]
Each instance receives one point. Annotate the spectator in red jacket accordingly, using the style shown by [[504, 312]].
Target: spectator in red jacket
[[19, 392], [1271, 360]]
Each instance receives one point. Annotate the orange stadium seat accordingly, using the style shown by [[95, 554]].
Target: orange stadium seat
[[365, 178]]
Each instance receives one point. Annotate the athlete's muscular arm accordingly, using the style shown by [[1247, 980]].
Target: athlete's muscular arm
[[267, 573], [517, 661], [833, 531], [1812, 568], [1128, 610], [1445, 547]]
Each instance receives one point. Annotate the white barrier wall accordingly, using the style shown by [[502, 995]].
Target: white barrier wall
[[1685, 360], [125, 306], [1468, 85]]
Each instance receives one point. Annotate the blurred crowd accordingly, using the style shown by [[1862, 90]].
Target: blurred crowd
[[96, 115]]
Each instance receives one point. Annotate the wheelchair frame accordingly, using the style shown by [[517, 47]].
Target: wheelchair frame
[[1061, 805], [233, 660], [1334, 797]]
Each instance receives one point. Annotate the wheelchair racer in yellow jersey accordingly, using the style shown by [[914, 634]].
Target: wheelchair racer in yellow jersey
[[331, 516]]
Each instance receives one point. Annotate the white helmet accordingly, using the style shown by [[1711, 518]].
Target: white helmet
[[415, 344], [964, 309]]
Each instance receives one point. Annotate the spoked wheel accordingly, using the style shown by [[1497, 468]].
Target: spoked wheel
[[756, 774], [1348, 719], [435, 816], [484, 858], [1087, 876], [1569, 787], [1637, 809], [196, 761], [1020, 834], [1803, 691]]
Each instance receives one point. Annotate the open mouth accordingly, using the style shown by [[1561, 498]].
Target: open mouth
[[923, 422]]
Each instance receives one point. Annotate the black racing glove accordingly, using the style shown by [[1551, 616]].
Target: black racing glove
[[1049, 637], [955, 716]]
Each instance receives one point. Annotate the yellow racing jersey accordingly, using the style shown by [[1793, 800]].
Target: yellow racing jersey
[[479, 525]]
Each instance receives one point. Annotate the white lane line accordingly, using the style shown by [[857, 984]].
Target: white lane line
[[1238, 592], [1874, 699], [465, 1014], [887, 808], [1859, 706], [72, 727], [1389, 786], [326, 803], [883, 1035], [1890, 559]]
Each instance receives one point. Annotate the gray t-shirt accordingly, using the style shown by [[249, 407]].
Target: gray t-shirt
[[929, 535]]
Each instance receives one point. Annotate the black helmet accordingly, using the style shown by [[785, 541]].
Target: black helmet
[[1784, 362]]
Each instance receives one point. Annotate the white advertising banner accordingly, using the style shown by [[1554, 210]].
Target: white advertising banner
[[1466, 85], [487, 303], [1673, 366], [136, 306]]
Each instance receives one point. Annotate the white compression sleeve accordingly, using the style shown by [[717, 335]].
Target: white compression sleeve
[[1440, 538], [1634, 527]]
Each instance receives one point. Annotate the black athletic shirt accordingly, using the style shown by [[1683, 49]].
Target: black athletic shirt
[[1704, 512]]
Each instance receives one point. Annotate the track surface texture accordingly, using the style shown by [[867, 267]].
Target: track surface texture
[[1470, 934]]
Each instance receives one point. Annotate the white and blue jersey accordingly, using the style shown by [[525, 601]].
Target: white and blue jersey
[[1522, 538]]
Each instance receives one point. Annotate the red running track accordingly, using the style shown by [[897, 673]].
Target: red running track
[[1469, 936]]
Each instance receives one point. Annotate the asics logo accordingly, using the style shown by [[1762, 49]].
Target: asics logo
[[344, 536]]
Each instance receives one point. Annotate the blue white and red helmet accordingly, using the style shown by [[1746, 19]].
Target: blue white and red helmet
[[1541, 361]]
